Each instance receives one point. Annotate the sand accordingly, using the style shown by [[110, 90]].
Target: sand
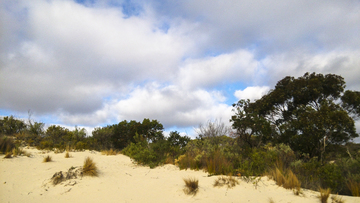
[[27, 179]]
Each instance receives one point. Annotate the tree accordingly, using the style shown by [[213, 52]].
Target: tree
[[10, 125], [302, 112]]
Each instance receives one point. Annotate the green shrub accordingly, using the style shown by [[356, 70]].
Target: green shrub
[[80, 146], [46, 144], [6, 144]]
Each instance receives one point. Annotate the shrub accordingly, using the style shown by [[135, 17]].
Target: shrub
[[229, 181], [47, 159], [191, 186], [217, 164], [80, 146], [324, 195], [67, 155], [354, 187], [89, 168], [109, 152], [6, 144], [8, 155], [337, 199], [277, 176]]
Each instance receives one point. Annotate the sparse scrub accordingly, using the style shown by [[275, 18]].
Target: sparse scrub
[[67, 155], [8, 155], [324, 194], [229, 181], [191, 186], [109, 152], [89, 167], [47, 158], [354, 188], [337, 199], [6, 144]]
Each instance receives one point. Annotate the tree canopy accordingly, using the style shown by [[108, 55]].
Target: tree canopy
[[302, 112]]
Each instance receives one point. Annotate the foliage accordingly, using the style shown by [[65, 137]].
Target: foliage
[[9, 125], [47, 159], [191, 186], [324, 195], [213, 131], [229, 181], [302, 113], [89, 167], [6, 144]]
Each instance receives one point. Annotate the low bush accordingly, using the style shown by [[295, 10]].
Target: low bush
[[89, 167], [191, 186], [229, 181], [109, 152], [354, 187], [47, 159], [6, 144], [324, 195], [8, 155]]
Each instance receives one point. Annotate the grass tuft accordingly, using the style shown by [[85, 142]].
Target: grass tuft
[[8, 155], [67, 155], [109, 152], [191, 186], [47, 159], [324, 195], [229, 181], [354, 187], [89, 168], [337, 199]]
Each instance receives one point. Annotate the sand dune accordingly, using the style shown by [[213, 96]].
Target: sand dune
[[25, 179]]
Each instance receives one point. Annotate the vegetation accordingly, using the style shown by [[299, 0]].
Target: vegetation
[[300, 134], [191, 186], [67, 155], [324, 195], [89, 167], [47, 159], [229, 181]]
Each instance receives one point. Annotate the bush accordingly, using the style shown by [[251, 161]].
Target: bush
[[324, 195], [229, 181], [109, 152], [191, 186], [67, 155], [6, 144], [354, 187], [47, 159], [89, 167], [80, 146]]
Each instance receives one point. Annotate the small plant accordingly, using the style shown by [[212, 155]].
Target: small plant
[[67, 155], [324, 195], [191, 186], [228, 181], [354, 187], [47, 159], [6, 144], [337, 199], [277, 175], [89, 168], [271, 200], [8, 155], [109, 152]]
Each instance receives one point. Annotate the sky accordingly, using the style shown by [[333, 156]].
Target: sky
[[92, 63]]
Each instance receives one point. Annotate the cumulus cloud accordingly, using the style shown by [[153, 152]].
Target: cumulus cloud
[[252, 93]]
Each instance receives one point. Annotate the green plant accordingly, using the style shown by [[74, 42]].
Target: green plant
[[89, 167], [6, 144], [324, 194], [191, 186], [47, 159]]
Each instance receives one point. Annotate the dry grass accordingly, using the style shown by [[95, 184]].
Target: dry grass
[[354, 187], [337, 199], [67, 155], [47, 159], [229, 181], [191, 186], [292, 182], [89, 168], [8, 155], [271, 200], [110, 152], [277, 175], [324, 195]]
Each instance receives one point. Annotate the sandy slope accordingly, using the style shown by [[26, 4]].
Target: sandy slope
[[24, 179]]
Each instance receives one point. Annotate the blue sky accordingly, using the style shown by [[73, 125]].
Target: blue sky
[[92, 63]]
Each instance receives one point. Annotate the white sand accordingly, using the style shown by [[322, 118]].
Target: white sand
[[24, 179]]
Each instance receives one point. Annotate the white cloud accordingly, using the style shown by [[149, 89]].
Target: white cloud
[[252, 93], [211, 71]]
